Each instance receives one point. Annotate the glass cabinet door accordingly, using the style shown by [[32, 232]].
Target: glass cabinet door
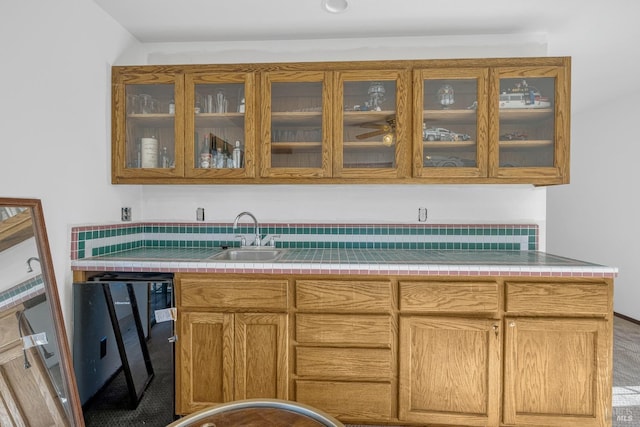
[[220, 125], [529, 124], [450, 123], [371, 138], [295, 125], [147, 126]]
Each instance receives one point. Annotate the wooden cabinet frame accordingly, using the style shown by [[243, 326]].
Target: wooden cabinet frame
[[408, 168], [398, 350]]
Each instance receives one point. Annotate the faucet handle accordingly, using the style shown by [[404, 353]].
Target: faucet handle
[[272, 240], [243, 241]]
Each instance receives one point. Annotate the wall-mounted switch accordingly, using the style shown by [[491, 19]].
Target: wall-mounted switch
[[422, 214], [125, 214], [200, 214]]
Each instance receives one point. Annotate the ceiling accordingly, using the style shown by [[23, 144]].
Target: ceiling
[[226, 20]]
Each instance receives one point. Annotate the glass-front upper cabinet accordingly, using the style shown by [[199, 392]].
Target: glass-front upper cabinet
[[147, 125], [219, 125], [450, 122], [529, 122], [295, 124], [371, 137]]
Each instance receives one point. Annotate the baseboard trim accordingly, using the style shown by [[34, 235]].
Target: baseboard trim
[[630, 319]]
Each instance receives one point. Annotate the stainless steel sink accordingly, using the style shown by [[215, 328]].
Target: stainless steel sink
[[249, 254]]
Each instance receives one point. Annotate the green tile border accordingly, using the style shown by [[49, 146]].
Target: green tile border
[[96, 242]]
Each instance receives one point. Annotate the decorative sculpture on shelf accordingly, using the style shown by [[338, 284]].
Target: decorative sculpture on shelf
[[445, 96]]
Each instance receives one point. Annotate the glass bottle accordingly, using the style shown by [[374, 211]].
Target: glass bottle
[[220, 159], [237, 156]]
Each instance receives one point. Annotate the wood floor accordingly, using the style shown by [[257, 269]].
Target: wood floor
[[626, 373]]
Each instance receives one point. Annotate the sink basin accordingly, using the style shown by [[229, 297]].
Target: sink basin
[[249, 254]]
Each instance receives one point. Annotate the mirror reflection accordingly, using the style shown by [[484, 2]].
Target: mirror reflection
[[36, 385]]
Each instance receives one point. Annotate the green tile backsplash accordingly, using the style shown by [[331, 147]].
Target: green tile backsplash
[[91, 241]]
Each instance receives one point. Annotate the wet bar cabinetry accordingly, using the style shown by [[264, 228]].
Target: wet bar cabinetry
[[424, 350], [232, 340], [413, 121]]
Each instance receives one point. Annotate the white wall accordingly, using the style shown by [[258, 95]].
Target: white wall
[[595, 217], [13, 264], [55, 117]]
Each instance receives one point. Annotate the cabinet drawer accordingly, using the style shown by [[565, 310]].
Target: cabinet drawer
[[452, 297], [564, 298], [347, 363], [343, 295], [264, 295], [347, 400], [357, 329]]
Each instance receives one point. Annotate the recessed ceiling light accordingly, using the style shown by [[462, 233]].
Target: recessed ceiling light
[[334, 6]]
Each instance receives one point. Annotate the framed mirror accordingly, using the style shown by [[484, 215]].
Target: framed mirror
[[37, 381]]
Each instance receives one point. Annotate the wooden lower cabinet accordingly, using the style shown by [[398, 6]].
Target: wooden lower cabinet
[[345, 355], [556, 372], [558, 353], [230, 355], [449, 371], [423, 351], [227, 357]]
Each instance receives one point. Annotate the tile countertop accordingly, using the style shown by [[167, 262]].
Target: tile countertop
[[351, 261]]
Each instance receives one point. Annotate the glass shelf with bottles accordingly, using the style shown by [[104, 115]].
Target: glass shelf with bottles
[[150, 129], [219, 125]]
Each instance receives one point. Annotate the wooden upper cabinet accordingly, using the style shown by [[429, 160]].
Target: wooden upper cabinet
[[450, 123], [529, 123], [371, 124], [148, 124], [461, 121], [295, 134], [220, 117]]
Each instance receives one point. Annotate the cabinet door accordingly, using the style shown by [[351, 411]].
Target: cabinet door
[[220, 111], [450, 123], [555, 372], [148, 129], [204, 362], [295, 124], [261, 363], [529, 123], [449, 370], [371, 137]]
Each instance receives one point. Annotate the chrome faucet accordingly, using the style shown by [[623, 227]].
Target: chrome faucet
[[29, 268], [258, 239]]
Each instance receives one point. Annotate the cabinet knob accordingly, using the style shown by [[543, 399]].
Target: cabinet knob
[[496, 329], [512, 324]]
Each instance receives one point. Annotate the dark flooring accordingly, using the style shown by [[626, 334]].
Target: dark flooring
[[110, 407]]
